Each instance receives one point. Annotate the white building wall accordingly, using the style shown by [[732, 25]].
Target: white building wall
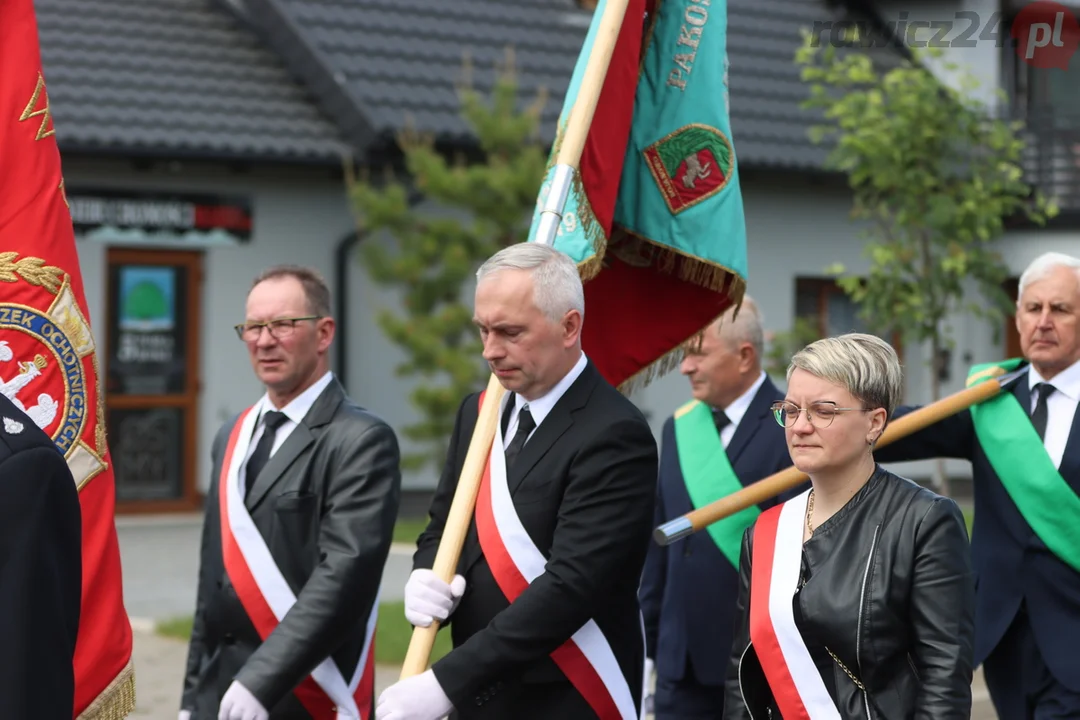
[[795, 228]]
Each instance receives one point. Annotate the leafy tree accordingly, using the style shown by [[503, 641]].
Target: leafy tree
[[935, 174], [434, 255], [785, 343]]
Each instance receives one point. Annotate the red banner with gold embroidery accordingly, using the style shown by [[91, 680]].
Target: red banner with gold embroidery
[[48, 360]]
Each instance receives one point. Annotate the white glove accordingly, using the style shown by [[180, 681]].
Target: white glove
[[427, 598], [184, 715], [240, 704], [646, 691], [420, 697]]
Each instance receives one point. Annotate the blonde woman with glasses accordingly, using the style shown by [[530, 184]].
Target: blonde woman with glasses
[[857, 596]]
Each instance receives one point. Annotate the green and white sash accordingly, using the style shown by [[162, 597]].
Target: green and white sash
[[709, 476], [1014, 449]]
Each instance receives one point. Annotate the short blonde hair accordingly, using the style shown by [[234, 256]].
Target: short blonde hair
[[865, 365]]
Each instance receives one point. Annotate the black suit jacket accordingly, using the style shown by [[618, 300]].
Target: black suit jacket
[[584, 488], [1011, 563], [40, 571], [689, 590], [325, 503]]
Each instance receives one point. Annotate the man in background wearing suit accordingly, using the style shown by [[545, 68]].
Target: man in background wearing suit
[[1024, 446], [299, 520], [722, 440], [545, 600]]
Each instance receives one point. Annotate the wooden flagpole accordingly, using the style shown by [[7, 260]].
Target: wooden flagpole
[[464, 502], [789, 478]]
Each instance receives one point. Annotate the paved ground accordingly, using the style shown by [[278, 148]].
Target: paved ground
[[160, 560], [159, 664], [160, 563]]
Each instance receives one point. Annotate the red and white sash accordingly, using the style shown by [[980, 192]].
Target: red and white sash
[[586, 658], [793, 677], [266, 595]]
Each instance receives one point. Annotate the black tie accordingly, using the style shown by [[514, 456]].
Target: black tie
[[721, 420], [525, 426], [271, 421], [1039, 417]]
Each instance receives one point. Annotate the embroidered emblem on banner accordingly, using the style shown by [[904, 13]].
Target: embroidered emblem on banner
[[43, 364], [690, 165]]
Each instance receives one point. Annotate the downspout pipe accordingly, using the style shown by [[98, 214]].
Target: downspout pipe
[[344, 258]]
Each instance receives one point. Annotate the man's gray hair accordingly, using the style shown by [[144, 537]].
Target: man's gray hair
[[557, 285], [865, 365], [744, 327], [1042, 266]]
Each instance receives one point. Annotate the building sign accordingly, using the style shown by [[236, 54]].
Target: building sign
[[175, 219], [147, 353]]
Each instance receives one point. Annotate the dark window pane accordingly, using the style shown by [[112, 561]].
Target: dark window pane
[[145, 446]]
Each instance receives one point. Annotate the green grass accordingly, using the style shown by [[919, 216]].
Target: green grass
[[177, 628], [408, 529], [392, 634]]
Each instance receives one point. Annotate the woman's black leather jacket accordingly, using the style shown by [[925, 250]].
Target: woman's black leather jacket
[[889, 591]]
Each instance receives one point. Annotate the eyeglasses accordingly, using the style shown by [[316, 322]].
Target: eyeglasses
[[819, 414], [279, 329]]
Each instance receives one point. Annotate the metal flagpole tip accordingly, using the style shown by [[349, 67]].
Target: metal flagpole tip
[[673, 530]]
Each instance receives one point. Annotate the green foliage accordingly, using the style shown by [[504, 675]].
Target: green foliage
[[433, 255], [784, 344], [935, 176]]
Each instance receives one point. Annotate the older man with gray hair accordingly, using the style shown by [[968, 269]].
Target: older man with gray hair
[[714, 445], [543, 611], [1024, 447]]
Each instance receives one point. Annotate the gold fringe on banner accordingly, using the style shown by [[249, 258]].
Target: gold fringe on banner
[[116, 701]]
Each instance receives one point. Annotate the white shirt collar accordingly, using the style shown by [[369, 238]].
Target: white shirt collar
[[741, 404], [299, 406], [1066, 382], [541, 406]]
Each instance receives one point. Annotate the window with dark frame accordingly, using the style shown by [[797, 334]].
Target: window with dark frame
[[824, 301]]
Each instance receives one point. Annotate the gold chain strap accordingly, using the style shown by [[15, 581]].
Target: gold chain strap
[[810, 527], [844, 668]]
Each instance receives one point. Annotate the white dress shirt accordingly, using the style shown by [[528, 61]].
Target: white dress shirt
[[541, 406], [737, 409], [294, 412], [1060, 408]]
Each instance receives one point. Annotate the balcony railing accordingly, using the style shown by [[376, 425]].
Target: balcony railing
[[1051, 158]]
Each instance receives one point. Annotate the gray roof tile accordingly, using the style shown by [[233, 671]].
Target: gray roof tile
[[179, 76], [399, 61]]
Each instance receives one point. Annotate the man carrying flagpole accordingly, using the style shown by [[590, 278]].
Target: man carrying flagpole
[[642, 195], [544, 611]]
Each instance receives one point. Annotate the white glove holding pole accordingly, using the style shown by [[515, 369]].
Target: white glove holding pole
[[427, 598]]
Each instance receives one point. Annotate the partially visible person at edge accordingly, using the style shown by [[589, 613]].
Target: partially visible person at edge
[[1024, 448], [41, 571], [289, 582], [543, 610], [722, 440], [856, 598]]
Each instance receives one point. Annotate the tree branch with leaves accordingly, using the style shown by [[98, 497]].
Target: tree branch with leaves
[[935, 176]]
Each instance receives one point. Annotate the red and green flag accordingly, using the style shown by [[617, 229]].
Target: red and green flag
[[655, 215], [45, 324]]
